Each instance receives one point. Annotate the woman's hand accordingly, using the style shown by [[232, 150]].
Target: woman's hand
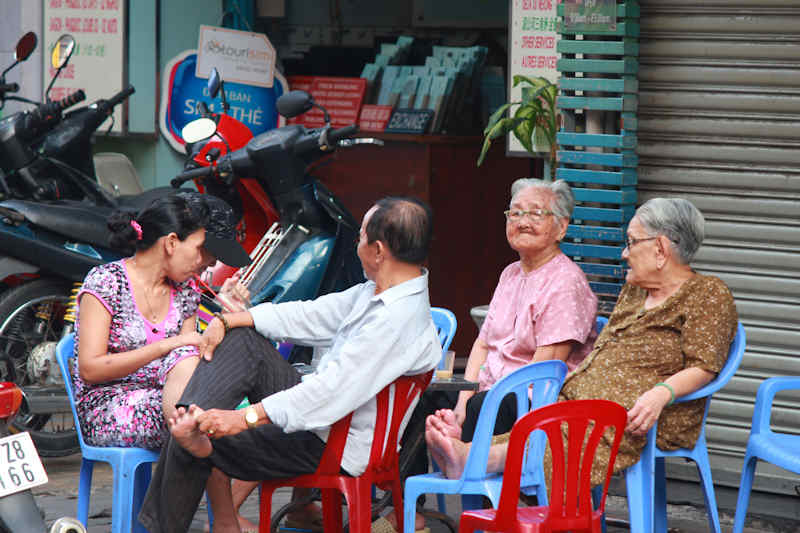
[[460, 410], [233, 295], [212, 336], [646, 410], [190, 338]]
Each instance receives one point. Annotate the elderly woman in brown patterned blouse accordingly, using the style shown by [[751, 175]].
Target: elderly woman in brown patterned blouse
[[668, 336]]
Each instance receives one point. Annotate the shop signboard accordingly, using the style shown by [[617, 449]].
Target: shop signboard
[[533, 36], [581, 16], [97, 62], [341, 97], [182, 92], [414, 121], [243, 57], [374, 117]]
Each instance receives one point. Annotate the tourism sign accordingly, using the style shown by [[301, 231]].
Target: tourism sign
[[239, 56], [582, 16]]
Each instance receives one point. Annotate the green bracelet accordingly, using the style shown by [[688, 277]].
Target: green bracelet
[[671, 391]]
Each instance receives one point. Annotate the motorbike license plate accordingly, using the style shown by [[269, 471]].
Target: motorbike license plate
[[20, 466]]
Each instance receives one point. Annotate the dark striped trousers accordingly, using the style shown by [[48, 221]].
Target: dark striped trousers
[[244, 365]]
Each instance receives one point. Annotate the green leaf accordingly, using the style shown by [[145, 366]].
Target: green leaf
[[486, 144], [533, 82], [497, 115]]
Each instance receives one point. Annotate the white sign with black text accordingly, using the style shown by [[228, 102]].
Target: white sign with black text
[[240, 56]]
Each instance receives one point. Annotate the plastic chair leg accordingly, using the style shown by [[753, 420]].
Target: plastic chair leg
[[141, 482], [332, 511], [639, 486], [597, 495], [122, 501], [440, 501], [746, 485], [660, 496], [85, 490], [410, 495], [704, 469]]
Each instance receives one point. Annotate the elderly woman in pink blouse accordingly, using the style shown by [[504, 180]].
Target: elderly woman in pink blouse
[[542, 307]]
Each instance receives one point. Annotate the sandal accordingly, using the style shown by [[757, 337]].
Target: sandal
[[382, 525]]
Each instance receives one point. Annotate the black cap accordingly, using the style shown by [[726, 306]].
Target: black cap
[[220, 229]]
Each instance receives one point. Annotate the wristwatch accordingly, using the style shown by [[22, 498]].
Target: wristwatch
[[251, 417]]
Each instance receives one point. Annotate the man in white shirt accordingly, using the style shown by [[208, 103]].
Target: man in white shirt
[[374, 333]]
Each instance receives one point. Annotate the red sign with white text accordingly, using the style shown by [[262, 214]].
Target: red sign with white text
[[374, 117], [342, 97]]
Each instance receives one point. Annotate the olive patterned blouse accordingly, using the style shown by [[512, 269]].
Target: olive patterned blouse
[[639, 348]]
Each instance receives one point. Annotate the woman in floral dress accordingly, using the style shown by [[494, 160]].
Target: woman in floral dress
[[136, 332]]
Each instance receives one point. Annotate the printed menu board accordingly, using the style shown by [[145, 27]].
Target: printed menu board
[[532, 37], [96, 66]]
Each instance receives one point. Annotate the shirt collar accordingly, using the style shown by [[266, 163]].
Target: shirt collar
[[407, 288]]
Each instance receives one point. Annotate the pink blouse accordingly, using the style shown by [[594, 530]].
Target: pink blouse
[[551, 304]]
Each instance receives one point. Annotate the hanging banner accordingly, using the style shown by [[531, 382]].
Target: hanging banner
[[97, 62], [532, 39], [239, 56], [182, 92]]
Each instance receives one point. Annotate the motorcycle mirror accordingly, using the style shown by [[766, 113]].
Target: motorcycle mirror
[[294, 103], [214, 82], [25, 46], [199, 129], [62, 51]]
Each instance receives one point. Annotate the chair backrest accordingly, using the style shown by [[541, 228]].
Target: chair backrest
[[571, 494], [64, 352], [446, 324], [601, 323], [735, 354], [545, 378], [383, 454]]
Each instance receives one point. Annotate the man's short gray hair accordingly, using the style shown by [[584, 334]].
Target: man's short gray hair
[[564, 201], [678, 220]]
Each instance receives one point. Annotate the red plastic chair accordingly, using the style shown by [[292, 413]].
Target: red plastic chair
[[382, 469], [571, 494]]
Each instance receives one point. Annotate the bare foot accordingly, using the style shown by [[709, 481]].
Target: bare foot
[[245, 524], [449, 453], [419, 521], [449, 425], [183, 427]]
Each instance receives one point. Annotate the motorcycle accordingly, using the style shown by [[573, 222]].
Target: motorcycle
[[20, 470], [47, 156], [50, 246], [311, 250], [247, 198]]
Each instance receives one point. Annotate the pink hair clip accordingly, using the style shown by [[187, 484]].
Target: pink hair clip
[[138, 229]]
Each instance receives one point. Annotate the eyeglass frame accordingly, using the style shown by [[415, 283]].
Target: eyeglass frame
[[536, 215]]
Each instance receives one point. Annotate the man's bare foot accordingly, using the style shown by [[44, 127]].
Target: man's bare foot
[[419, 521], [183, 427], [449, 425], [245, 524], [449, 453]]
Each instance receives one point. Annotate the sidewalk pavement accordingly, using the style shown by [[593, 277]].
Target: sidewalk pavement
[[59, 497]]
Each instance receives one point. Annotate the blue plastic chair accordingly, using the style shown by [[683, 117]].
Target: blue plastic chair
[[131, 466], [646, 480], [546, 378], [780, 449], [446, 324]]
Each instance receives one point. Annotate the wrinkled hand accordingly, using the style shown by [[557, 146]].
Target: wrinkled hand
[[217, 423], [212, 336], [233, 295], [646, 410]]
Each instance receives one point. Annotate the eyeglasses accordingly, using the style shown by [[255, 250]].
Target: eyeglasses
[[630, 243], [536, 215]]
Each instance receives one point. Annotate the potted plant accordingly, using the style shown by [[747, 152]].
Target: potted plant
[[535, 121]]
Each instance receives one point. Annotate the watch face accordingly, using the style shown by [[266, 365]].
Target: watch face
[[251, 417]]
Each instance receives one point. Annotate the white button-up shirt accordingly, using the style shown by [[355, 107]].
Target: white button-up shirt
[[370, 339]]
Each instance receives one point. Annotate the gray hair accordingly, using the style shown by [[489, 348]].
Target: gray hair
[[678, 220], [564, 201]]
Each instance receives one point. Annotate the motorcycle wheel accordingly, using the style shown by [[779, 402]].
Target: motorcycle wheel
[[30, 314]]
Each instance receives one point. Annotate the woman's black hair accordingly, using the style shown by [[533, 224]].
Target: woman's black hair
[[165, 215]]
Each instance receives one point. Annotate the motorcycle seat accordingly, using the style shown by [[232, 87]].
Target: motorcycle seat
[[137, 202], [77, 220]]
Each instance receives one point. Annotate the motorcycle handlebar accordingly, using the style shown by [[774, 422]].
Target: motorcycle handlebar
[[9, 87], [187, 175], [317, 141], [120, 96], [43, 111]]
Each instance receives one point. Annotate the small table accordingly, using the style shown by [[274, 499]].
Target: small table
[[456, 383]]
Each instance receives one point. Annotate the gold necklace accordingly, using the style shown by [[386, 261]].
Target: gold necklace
[[153, 315]]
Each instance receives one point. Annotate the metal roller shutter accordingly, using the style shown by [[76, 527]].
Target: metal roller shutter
[[719, 124]]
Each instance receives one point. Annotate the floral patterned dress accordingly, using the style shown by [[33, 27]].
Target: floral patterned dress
[[127, 412]]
